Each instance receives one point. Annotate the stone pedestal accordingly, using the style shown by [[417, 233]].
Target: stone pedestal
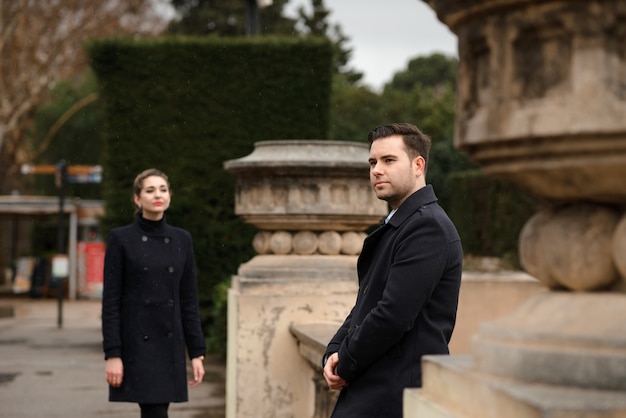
[[311, 201], [541, 104]]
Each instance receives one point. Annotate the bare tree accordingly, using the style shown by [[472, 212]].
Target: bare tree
[[41, 43]]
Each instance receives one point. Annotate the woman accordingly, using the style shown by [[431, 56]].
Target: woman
[[150, 305]]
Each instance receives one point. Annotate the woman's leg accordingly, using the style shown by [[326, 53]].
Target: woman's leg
[[154, 410]]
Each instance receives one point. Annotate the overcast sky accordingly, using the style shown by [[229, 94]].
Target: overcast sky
[[386, 34]]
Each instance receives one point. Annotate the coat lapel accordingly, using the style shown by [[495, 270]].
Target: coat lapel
[[369, 248]]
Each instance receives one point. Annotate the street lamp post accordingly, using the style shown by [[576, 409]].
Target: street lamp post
[[61, 176]]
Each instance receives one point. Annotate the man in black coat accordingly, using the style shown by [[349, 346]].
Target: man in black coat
[[409, 278]]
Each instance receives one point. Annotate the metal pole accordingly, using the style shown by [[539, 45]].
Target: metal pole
[[61, 173], [253, 18]]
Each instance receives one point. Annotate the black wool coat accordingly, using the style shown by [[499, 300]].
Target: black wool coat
[[150, 310], [409, 278]]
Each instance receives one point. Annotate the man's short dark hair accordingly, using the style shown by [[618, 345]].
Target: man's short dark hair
[[416, 142]]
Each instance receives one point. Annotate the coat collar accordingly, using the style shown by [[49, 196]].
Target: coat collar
[[422, 197]]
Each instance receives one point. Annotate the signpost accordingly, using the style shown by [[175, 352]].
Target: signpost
[[64, 173]]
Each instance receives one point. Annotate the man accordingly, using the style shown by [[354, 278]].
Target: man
[[409, 277]]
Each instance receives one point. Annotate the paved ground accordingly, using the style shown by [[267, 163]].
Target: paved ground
[[47, 371]]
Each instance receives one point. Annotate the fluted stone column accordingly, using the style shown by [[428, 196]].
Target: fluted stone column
[[542, 103], [312, 202]]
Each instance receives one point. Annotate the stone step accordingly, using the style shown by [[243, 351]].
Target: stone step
[[453, 388]]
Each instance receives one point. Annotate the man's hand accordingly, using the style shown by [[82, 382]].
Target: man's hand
[[333, 380]]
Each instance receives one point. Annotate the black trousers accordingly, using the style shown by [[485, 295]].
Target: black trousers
[[154, 410]]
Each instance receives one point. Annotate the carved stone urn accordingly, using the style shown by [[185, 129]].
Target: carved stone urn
[[542, 103]]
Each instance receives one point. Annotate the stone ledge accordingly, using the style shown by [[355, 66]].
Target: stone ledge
[[455, 388]]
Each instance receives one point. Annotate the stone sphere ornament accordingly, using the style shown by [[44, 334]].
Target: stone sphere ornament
[[281, 242], [305, 243], [570, 247]]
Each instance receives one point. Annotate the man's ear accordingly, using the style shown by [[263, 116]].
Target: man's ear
[[420, 164]]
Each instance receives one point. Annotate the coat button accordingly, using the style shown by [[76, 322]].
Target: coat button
[[170, 334], [170, 302], [144, 238], [166, 240], [145, 268], [146, 302], [146, 338], [170, 269]]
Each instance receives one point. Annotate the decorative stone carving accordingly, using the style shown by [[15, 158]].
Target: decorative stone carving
[[306, 185], [571, 247], [305, 242], [351, 242], [541, 93], [308, 242], [281, 242]]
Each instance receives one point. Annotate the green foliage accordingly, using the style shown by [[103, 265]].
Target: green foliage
[[445, 161], [488, 213], [78, 140], [187, 105], [226, 18], [429, 71], [355, 111], [317, 24], [219, 310], [429, 104]]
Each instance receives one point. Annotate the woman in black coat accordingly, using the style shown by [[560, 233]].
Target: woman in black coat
[[150, 305]]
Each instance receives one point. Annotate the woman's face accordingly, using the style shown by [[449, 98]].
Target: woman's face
[[154, 197]]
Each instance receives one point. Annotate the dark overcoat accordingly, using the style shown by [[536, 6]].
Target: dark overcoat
[[150, 310], [409, 278]]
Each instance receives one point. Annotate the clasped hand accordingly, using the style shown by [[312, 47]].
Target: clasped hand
[[333, 380]]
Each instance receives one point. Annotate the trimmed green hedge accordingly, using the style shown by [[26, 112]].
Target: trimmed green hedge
[[186, 105], [488, 213]]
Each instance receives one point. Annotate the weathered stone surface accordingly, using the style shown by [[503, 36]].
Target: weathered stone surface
[[541, 94], [541, 103], [619, 247], [281, 242], [456, 388], [306, 185], [330, 243], [308, 242], [305, 242], [351, 242], [559, 338], [570, 246]]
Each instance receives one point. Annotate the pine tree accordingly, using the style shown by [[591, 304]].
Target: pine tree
[[317, 24]]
